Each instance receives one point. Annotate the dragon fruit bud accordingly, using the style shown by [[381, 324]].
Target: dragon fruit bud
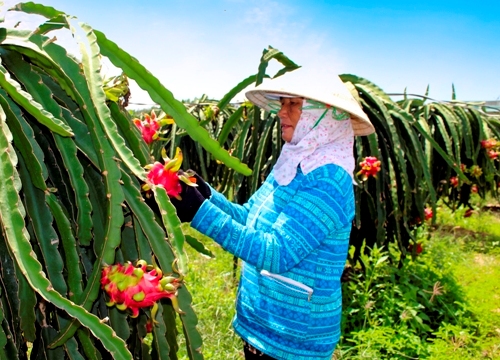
[[476, 171]]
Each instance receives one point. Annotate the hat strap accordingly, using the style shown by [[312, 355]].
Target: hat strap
[[337, 114], [321, 117]]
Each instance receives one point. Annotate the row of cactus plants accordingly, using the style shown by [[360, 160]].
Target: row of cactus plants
[[422, 152]]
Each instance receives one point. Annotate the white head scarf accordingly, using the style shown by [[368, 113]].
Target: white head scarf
[[315, 144]]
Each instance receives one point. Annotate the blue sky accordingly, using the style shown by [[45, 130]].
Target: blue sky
[[200, 47]]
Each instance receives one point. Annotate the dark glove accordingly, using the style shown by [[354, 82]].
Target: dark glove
[[191, 201], [203, 188]]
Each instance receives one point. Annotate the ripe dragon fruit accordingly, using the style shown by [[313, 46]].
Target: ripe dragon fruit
[[135, 287], [168, 175], [489, 144], [370, 166], [150, 126], [428, 213], [492, 154], [419, 248]]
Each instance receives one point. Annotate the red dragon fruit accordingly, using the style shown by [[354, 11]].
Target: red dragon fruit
[[135, 287], [370, 166], [489, 143], [419, 248], [492, 154], [428, 213], [150, 126], [168, 176]]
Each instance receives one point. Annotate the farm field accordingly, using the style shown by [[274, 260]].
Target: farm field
[[462, 256]]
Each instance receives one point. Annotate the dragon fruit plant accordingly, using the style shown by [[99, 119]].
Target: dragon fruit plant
[[72, 164]]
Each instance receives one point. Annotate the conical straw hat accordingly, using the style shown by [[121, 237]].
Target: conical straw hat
[[329, 91]]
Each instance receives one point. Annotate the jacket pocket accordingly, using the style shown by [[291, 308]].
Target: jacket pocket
[[283, 306]]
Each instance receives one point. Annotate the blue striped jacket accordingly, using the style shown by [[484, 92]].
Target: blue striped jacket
[[293, 240]]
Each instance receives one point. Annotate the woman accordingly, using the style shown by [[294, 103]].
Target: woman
[[293, 233]]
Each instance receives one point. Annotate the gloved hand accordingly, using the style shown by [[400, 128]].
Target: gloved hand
[[203, 188], [191, 200]]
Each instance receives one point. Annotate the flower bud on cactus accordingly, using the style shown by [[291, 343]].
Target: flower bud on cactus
[[168, 175], [476, 171], [454, 181], [370, 166], [134, 287]]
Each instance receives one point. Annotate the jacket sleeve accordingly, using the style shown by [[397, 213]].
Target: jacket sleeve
[[238, 213], [321, 206]]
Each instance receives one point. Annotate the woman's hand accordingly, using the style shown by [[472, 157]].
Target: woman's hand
[[192, 198], [203, 188]]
